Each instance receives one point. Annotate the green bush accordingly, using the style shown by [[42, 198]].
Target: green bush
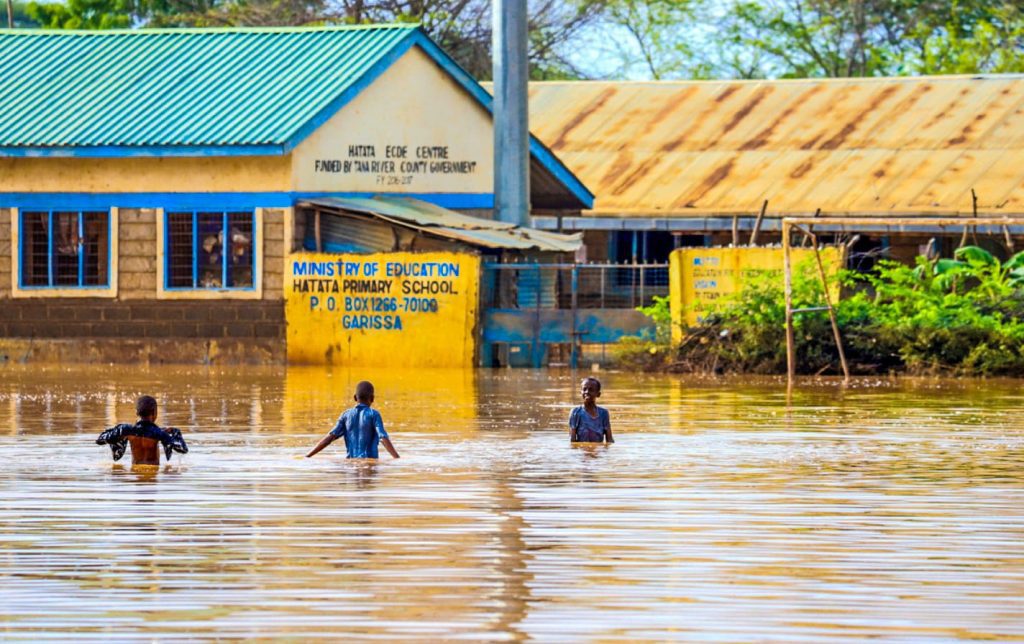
[[648, 352], [963, 315]]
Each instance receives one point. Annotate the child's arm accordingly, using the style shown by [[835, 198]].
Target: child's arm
[[386, 442], [608, 428], [573, 424], [324, 442], [378, 424], [339, 429]]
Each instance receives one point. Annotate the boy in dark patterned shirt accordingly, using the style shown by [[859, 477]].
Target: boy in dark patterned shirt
[[144, 436]]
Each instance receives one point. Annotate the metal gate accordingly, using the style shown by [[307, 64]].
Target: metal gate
[[539, 314]]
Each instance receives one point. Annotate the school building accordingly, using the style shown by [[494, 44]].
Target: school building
[[683, 163], [163, 193]]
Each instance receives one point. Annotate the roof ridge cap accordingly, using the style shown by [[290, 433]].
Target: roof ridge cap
[[145, 31]]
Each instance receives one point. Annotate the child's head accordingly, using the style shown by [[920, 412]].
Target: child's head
[[145, 407], [364, 392], [590, 388]]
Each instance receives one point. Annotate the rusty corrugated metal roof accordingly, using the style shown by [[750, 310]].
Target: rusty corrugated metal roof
[[848, 146], [442, 222]]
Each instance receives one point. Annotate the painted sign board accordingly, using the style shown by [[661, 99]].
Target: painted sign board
[[414, 130], [699, 277], [382, 310]]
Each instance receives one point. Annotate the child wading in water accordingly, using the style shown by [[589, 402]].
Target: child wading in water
[[144, 436], [361, 427], [589, 423]]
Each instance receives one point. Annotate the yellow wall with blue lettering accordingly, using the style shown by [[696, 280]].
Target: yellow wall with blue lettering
[[315, 397], [382, 310], [699, 277]]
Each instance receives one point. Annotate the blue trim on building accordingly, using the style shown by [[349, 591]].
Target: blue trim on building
[[335, 106], [225, 249], [550, 162], [218, 200], [19, 252]]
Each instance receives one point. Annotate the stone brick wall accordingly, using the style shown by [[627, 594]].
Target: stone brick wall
[[5, 253], [134, 320], [136, 315], [273, 255], [136, 239]]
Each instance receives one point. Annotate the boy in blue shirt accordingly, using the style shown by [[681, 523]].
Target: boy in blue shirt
[[361, 427], [589, 423]]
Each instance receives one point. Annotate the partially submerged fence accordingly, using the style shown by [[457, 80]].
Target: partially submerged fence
[[533, 313]]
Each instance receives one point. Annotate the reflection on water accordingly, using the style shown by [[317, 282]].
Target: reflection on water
[[722, 512]]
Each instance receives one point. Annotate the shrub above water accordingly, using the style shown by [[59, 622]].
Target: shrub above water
[[962, 315]]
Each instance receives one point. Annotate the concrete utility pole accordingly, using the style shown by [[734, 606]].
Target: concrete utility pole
[[511, 124]]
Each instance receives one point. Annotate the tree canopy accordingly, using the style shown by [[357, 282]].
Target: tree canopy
[[640, 38]]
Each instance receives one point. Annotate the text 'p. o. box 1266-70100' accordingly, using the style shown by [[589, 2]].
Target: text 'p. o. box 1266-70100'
[[384, 309]]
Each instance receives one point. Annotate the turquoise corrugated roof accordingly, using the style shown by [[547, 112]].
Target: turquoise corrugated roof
[[179, 87]]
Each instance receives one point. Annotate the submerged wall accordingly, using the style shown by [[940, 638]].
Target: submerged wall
[[699, 277], [134, 318], [384, 309]]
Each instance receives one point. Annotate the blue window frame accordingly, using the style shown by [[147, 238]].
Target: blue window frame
[[209, 250], [64, 249]]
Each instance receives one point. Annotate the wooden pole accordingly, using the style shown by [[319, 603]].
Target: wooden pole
[[831, 313], [810, 229], [10, 14], [1009, 239], [974, 211], [757, 223], [316, 232], [787, 267], [735, 231]]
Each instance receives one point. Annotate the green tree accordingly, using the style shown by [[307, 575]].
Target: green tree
[[839, 38], [461, 27], [988, 38], [83, 14], [648, 35]]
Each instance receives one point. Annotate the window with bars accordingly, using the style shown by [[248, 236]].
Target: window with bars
[[64, 249], [209, 250]]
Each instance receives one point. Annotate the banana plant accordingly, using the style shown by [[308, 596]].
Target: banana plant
[[972, 261]]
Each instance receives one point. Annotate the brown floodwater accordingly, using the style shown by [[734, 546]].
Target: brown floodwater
[[725, 511]]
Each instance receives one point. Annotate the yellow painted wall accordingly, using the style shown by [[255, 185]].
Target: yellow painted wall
[[394, 135], [146, 174], [315, 397], [359, 310], [700, 276]]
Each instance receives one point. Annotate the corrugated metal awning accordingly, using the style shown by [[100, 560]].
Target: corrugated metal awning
[[435, 220]]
